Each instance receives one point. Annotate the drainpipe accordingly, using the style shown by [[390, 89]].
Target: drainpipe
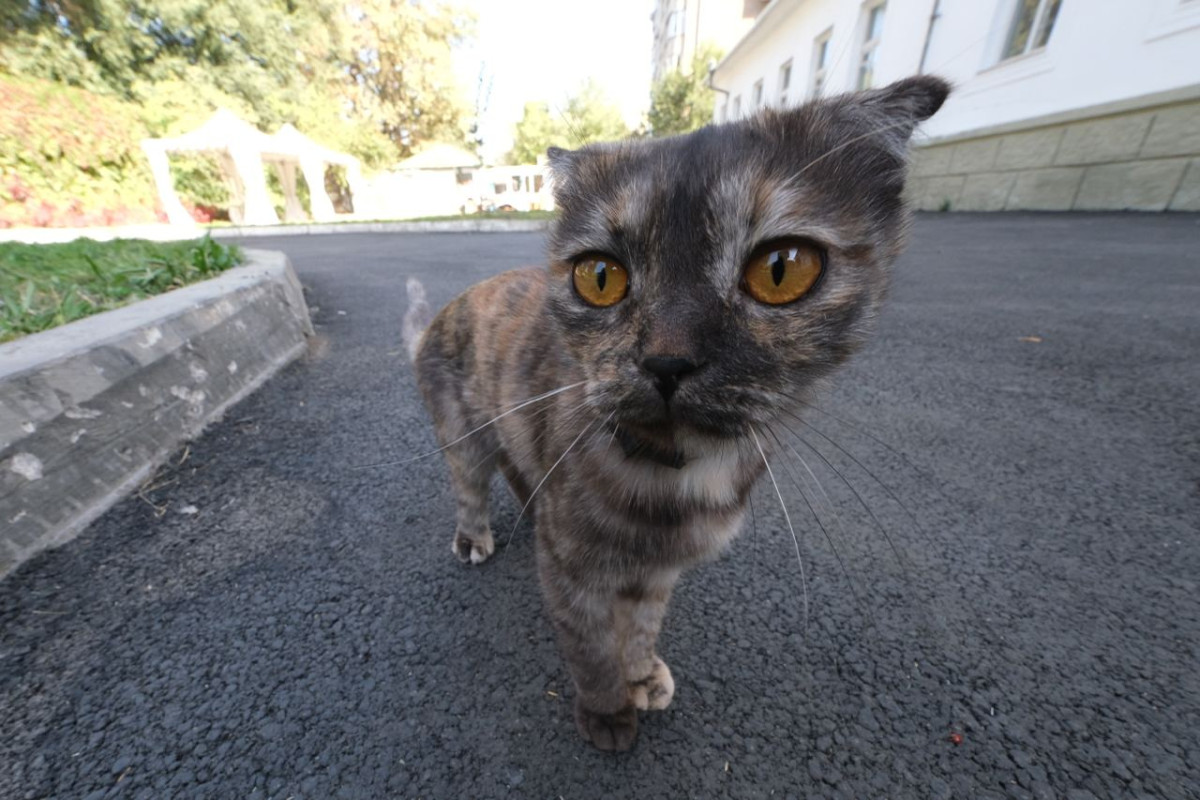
[[712, 71], [933, 18]]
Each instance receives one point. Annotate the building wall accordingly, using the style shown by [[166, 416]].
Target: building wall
[[1112, 71], [720, 22]]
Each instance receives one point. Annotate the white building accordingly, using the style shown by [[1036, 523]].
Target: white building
[[1058, 104], [680, 26]]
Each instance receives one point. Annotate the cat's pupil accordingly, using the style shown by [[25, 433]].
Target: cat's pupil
[[778, 267], [601, 275]]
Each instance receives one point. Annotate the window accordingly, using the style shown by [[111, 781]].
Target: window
[[737, 107], [758, 93], [871, 34], [1033, 20], [674, 24], [725, 111], [820, 63], [785, 80]]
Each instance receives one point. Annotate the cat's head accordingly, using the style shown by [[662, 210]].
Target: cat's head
[[705, 281]]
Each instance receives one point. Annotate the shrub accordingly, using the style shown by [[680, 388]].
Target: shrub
[[69, 157]]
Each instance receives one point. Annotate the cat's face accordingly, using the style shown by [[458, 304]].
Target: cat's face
[[704, 282]]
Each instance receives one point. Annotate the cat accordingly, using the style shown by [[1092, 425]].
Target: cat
[[698, 288]]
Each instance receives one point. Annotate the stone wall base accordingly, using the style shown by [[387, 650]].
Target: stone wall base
[[1141, 155]]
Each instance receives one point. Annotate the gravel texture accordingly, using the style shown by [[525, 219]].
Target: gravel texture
[[268, 620]]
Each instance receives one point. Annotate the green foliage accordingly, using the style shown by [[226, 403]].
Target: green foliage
[[682, 102], [69, 157], [535, 133], [43, 286], [373, 78], [398, 60], [377, 66], [588, 116]]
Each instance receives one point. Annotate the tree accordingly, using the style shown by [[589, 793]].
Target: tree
[[535, 134], [398, 58], [588, 116], [361, 69], [682, 101]]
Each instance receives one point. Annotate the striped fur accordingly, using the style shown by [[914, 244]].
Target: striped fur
[[616, 527]]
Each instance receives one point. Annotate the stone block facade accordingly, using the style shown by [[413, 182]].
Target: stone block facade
[[1140, 155]]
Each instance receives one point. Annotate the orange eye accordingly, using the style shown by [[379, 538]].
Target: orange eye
[[600, 281], [782, 273]]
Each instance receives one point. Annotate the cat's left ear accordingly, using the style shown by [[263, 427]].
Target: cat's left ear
[[906, 103], [563, 165], [560, 160]]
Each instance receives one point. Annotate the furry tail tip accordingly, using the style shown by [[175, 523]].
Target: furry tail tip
[[416, 318]]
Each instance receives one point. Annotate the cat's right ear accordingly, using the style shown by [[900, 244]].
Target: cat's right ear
[[917, 98]]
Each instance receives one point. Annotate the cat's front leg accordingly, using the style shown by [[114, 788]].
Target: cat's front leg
[[640, 610], [584, 618]]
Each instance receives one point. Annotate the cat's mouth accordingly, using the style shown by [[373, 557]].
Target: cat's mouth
[[645, 445]]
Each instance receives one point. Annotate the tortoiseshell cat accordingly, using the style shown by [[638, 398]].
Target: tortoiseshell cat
[[698, 287]]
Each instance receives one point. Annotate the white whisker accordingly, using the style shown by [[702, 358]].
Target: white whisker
[[848, 142], [474, 431], [550, 471], [787, 518], [837, 519]]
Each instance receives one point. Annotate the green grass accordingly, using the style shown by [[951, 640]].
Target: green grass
[[46, 285]]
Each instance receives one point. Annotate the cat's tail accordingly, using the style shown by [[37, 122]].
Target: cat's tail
[[416, 318]]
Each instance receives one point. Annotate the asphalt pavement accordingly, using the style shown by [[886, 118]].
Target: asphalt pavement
[[1018, 615]]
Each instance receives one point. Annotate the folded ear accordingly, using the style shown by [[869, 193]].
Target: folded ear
[[909, 101], [560, 160]]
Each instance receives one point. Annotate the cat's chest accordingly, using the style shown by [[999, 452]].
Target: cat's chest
[[698, 502], [714, 480]]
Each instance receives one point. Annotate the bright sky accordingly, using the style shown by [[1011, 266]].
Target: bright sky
[[545, 49]]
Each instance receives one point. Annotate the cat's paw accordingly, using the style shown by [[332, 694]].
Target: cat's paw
[[608, 732], [654, 692], [473, 549]]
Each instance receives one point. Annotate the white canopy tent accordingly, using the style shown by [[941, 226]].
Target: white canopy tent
[[241, 150]]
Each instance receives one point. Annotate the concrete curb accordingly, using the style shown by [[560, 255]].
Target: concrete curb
[[89, 409], [169, 233], [467, 225]]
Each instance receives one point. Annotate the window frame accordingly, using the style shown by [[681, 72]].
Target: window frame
[[1038, 37], [869, 45], [819, 73], [785, 82]]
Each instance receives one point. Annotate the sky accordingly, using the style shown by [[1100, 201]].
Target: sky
[[543, 50]]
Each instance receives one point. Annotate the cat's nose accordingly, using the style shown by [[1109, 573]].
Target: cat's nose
[[667, 370]]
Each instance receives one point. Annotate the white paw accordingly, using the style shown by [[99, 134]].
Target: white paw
[[472, 550], [654, 692]]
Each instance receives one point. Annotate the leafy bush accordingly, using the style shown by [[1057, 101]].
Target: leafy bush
[[69, 157], [43, 286]]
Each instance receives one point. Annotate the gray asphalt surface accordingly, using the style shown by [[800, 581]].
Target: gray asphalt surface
[[307, 632]]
